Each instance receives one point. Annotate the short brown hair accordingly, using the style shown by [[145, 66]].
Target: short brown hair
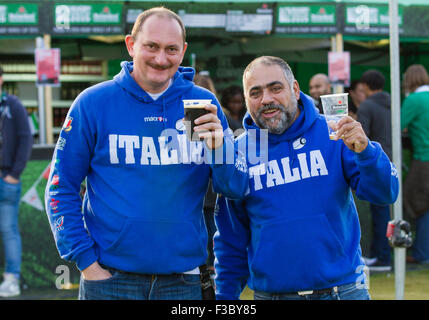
[[159, 11], [414, 77]]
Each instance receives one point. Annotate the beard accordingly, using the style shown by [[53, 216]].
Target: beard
[[279, 123]]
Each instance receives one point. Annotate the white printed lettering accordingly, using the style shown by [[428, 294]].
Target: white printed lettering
[[290, 176], [149, 152], [317, 163], [168, 155], [113, 142], [274, 176], [302, 157], [256, 172], [129, 142]]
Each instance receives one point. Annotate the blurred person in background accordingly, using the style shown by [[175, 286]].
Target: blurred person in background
[[415, 119], [375, 116], [319, 85], [233, 103], [204, 80], [356, 96], [16, 143]]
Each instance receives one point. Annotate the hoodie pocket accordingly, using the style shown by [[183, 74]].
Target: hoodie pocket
[[298, 254], [157, 246]]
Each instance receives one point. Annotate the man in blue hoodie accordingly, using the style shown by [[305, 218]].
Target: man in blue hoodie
[[142, 233], [296, 234]]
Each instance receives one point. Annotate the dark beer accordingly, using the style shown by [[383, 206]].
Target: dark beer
[[193, 110]]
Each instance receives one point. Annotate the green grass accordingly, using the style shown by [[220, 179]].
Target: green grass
[[382, 286]]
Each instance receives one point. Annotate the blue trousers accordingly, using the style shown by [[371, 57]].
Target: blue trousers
[[421, 241], [380, 247], [9, 209], [124, 286]]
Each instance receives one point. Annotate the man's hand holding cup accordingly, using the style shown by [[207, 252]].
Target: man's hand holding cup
[[203, 122], [352, 133]]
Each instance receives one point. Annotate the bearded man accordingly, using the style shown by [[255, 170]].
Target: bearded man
[[296, 233]]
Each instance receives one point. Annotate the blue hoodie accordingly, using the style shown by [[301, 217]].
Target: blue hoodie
[[142, 211], [298, 229]]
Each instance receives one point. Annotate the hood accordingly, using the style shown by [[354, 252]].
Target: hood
[[381, 98], [305, 120], [424, 88], [182, 82]]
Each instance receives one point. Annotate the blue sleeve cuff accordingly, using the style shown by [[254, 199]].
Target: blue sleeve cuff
[[368, 153], [86, 258], [219, 156]]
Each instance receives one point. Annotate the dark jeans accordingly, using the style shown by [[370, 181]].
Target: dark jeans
[[380, 247], [124, 286], [421, 241], [211, 229]]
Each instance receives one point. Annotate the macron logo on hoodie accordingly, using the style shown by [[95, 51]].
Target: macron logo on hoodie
[[316, 166]]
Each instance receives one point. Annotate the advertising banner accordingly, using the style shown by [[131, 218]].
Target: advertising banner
[[19, 19], [48, 66], [313, 19], [369, 19], [88, 18], [214, 18], [339, 68]]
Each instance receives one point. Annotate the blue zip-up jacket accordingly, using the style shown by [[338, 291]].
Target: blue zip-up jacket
[[142, 211], [298, 229]]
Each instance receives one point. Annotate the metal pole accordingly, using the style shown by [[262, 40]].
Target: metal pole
[[339, 48], [399, 253], [193, 60], [41, 102], [337, 45], [48, 100]]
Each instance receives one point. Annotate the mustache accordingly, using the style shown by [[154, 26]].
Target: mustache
[[158, 66], [271, 106]]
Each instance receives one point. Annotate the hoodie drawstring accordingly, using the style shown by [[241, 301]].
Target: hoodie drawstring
[[163, 113], [291, 153]]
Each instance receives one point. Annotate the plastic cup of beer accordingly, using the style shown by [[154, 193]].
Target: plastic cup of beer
[[194, 108], [335, 107]]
